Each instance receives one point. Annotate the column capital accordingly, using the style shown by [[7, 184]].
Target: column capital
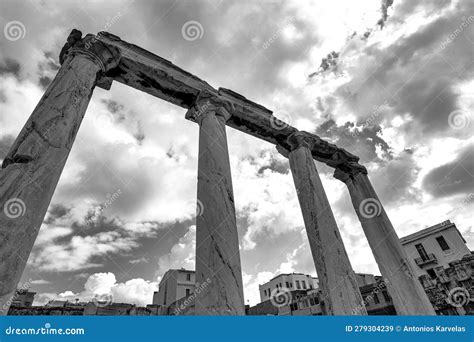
[[105, 56], [303, 139], [348, 171], [207, 103]]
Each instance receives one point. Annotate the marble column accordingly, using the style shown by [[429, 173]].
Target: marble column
[[337, 279], [218, 269], [31, 169], [407, 293]]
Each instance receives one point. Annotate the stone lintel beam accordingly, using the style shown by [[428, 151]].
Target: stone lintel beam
[[145, 71]]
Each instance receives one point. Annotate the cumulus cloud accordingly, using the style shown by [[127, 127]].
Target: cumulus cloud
[[181, 255], [135, 291]]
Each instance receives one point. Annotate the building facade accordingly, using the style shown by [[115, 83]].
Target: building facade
[[435, 246], [23, 298], [451, 291], [287, 282], [292, 300], [175, 285]]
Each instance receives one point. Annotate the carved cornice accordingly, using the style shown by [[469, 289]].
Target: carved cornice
[[105, 56], [207, 103]]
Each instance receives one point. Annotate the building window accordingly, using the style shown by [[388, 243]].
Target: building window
[[298, 284], [431, 273], [303, 284], [421, 251], [376, 299], [188, 276], [188, 292], [442, 243], [287, 284], [386, 296]]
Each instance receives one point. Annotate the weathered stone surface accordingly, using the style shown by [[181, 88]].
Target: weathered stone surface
[[217, 242], [337, 279], [31, 169], [405, 289]]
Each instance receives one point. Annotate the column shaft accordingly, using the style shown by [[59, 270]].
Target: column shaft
[[408, 295], [31, 170], [217, 243], [336, 277]]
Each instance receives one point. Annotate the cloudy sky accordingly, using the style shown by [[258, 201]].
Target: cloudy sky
[[398, 92]]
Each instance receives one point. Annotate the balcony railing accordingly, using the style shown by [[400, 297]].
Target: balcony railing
[[430, 258]]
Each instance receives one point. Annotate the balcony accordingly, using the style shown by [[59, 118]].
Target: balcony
[[430, 258]]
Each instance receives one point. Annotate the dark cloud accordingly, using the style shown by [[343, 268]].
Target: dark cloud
[[240, 40], [394, 179], [56, 212], [47, 68], [276, 165], [415, 75], [453, 178], [139, 134], [44, 81], [361, 141], [10, 66], [113, 106], [384, 9]]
